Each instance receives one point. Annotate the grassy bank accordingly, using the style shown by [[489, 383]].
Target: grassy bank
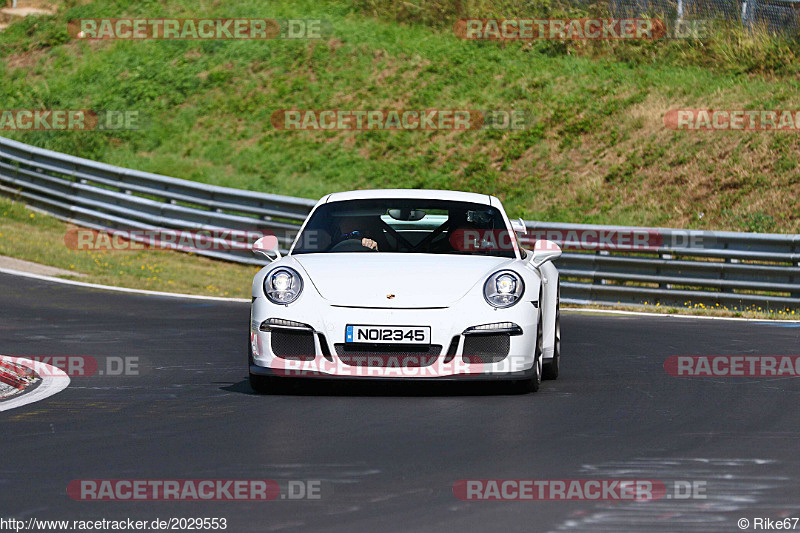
[[32, 236], [596, 149]]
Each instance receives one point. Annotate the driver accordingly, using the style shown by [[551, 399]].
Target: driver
[[349, 228], [471, 230]]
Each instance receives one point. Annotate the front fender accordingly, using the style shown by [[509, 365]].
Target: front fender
[[550, 289]]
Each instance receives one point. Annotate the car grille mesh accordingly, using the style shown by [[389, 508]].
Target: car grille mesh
[[486, 348], [388, 355], [295, 345]]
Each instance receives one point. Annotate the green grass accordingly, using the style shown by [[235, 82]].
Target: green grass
[[596, 151], [693, 310], [32, 236]]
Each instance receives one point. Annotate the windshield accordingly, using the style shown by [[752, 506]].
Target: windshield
[[406, 226]]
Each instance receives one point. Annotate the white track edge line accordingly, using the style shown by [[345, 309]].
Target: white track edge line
[[119, 289]]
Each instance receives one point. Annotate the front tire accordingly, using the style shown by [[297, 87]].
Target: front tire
[[261, 384], [264, 384], [531, 384], [550, 370]]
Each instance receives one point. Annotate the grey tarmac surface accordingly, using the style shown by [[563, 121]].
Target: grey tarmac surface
[[389, 454]]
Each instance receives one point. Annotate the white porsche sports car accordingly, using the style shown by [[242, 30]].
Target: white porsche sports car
[[406, 284]]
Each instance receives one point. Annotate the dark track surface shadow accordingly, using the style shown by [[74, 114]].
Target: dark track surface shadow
[[356, 388]]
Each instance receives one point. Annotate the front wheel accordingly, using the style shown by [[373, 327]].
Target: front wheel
[[264, 384], [551, 368], [261, 384], [532, 383]]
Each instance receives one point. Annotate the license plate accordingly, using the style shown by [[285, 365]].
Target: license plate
[[388, 334]]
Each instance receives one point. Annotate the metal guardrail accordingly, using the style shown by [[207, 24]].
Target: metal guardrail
[[676, 268], [100, 196]]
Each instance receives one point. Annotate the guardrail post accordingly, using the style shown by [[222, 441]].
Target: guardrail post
[[599, 280], [665, 257], [723, 274], [796, 277]]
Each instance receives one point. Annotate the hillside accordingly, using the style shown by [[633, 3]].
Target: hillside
[[595, 150]]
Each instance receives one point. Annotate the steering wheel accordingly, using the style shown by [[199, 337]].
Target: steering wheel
[[351, 245]]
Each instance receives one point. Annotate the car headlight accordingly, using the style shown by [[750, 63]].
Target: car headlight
[[503, 288], [283, 285]]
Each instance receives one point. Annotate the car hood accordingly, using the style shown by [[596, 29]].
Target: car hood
[[413, 280]]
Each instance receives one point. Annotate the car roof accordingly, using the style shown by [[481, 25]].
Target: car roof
[[414, 194]]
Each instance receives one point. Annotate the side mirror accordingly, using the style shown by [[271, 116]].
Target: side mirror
[[267, 246], [545, 251]]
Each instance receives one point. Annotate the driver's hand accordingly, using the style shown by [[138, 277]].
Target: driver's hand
[[369, 243]]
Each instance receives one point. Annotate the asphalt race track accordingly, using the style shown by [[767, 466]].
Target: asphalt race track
[[388, 456]]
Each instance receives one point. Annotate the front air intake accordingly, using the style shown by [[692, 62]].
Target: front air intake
[[486, 349], [293, 344]]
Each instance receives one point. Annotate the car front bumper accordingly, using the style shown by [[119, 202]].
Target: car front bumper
[[327, 355]]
